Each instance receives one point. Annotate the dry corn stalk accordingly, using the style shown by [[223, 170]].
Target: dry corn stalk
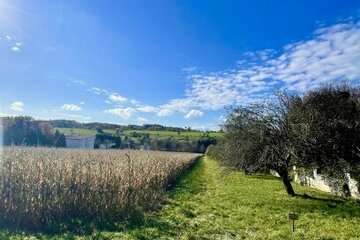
[[39, 186]]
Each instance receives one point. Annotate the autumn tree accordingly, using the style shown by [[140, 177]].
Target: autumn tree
[[260, 138]]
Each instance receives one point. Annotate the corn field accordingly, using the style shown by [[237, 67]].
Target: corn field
[[40, 186]]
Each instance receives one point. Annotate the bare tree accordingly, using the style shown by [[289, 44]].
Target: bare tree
[[260, 138]]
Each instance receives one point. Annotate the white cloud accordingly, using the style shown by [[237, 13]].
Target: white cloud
[[98, 91], [17, 47], [124, 113], [175, 105], [17, 106], [222, 119], [207, 127], [117, 98], [193, 114], [141, 119], [80, 82], [82, 103], [147, 109], [165, 112], [70, 107], [189, 69], [331, 54], [134, 102]]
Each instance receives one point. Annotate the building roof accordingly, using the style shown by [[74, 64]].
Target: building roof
[[78, 136]]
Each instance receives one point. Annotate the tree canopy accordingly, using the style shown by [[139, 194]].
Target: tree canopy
[[320, 129]]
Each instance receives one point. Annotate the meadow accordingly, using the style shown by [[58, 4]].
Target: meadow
[[42, 188], [213, 202], [152, 133]]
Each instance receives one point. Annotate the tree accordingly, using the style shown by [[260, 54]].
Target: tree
[[329, 130], [25, 130], [260, 138], [99, 130], [59, 139], [47, 136]]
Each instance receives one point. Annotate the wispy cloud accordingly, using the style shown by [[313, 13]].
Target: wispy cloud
[[114, 97], [141, 119], [180, 105], [16, 47], [331, 54], [147, 109], [70, 107], [98, 91], [124, 113], [193, 113], [80, 82], [17, 106], [189, 69]]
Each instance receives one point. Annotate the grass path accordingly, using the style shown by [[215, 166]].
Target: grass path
[[210, 203]]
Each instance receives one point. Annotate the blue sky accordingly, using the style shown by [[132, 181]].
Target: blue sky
[[177, 63]]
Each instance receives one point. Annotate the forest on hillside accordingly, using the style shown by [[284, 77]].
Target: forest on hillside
[[27, 131]]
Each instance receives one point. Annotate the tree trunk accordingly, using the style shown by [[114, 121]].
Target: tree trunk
[[286, 181]]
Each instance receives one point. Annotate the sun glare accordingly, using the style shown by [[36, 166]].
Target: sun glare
[[9, 15]]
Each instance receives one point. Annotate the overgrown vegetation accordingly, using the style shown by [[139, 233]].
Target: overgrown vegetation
[[43, 187]]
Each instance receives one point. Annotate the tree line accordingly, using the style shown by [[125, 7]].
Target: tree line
[[63, 123], [26, 131], [320, 129]]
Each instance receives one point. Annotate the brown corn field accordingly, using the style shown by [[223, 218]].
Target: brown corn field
[[40, 186]]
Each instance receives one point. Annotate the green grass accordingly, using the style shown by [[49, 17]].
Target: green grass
[[128, 132], [82, 131], [170, 133], [212, 203]]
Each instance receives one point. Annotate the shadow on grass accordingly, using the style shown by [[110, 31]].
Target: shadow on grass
[[330, 200], [68, 229], [264, 177], [337, 207]]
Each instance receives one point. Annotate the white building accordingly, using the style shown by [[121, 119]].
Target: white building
[[79, 141]]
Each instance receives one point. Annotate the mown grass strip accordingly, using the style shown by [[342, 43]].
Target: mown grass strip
[[212, 203]]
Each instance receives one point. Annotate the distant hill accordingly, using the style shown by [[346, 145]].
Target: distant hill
[[62, 123]]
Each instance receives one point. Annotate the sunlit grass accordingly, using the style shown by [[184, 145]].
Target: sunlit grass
[[211, 203], [152, 133], [82, 131]]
